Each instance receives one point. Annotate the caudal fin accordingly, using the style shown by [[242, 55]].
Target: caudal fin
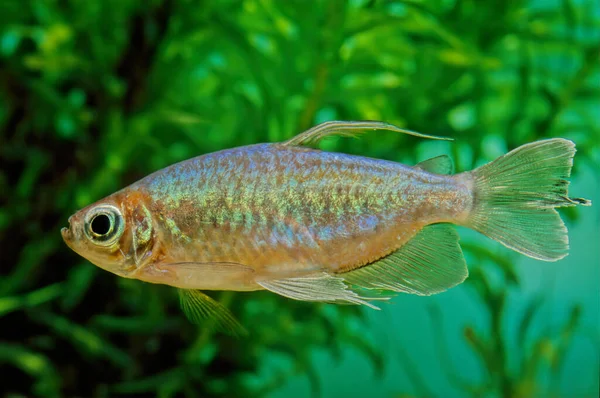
[[515, 197]]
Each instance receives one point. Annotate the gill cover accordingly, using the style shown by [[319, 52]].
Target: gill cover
[[141, 231]]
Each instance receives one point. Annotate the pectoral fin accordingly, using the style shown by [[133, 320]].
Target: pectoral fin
[[219, 268], [317, 287], [196, 275], [349, 129], [201, 309], [429, 263]]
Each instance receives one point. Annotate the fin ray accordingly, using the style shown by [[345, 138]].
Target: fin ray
[[515, 197], [200, 308], [321, 287], [429, 263], [440, 165], [349, 129]]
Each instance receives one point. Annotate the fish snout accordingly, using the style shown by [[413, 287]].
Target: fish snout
[[67, 232]]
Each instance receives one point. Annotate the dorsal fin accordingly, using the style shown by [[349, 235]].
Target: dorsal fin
[[429, 263], [349, 129], [439, 165]]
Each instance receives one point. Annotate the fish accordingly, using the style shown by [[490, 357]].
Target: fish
[[322, 226]]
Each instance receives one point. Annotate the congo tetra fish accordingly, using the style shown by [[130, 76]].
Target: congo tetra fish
[[321, 226]]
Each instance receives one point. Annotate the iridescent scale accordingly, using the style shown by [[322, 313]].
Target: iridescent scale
[[280, 208]]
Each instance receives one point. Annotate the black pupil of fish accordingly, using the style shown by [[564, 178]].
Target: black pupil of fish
[[101, 224]]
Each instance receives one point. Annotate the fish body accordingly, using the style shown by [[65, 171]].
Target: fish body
[[281, 209], [319, 226]]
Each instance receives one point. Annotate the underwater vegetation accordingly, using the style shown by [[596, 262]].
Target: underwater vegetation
[[95, 95], [531, 369]]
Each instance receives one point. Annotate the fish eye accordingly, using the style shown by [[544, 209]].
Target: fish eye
[[104, 225], [101, 224]]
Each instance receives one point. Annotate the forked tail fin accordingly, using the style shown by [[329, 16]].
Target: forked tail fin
[[515, 197]]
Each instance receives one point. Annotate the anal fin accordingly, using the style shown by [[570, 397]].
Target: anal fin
[[429, 263], [200, 308]]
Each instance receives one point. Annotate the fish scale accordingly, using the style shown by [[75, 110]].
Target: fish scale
[[329, 194]]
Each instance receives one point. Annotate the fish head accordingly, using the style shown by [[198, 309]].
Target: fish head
[[115, 233]]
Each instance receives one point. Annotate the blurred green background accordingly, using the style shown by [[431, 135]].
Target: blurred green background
[[96, 94]]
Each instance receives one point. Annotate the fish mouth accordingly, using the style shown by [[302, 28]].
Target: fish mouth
[[67, 234]]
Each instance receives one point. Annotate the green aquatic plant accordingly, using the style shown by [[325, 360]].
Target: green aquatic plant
[[94, 95], [520, 361]]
